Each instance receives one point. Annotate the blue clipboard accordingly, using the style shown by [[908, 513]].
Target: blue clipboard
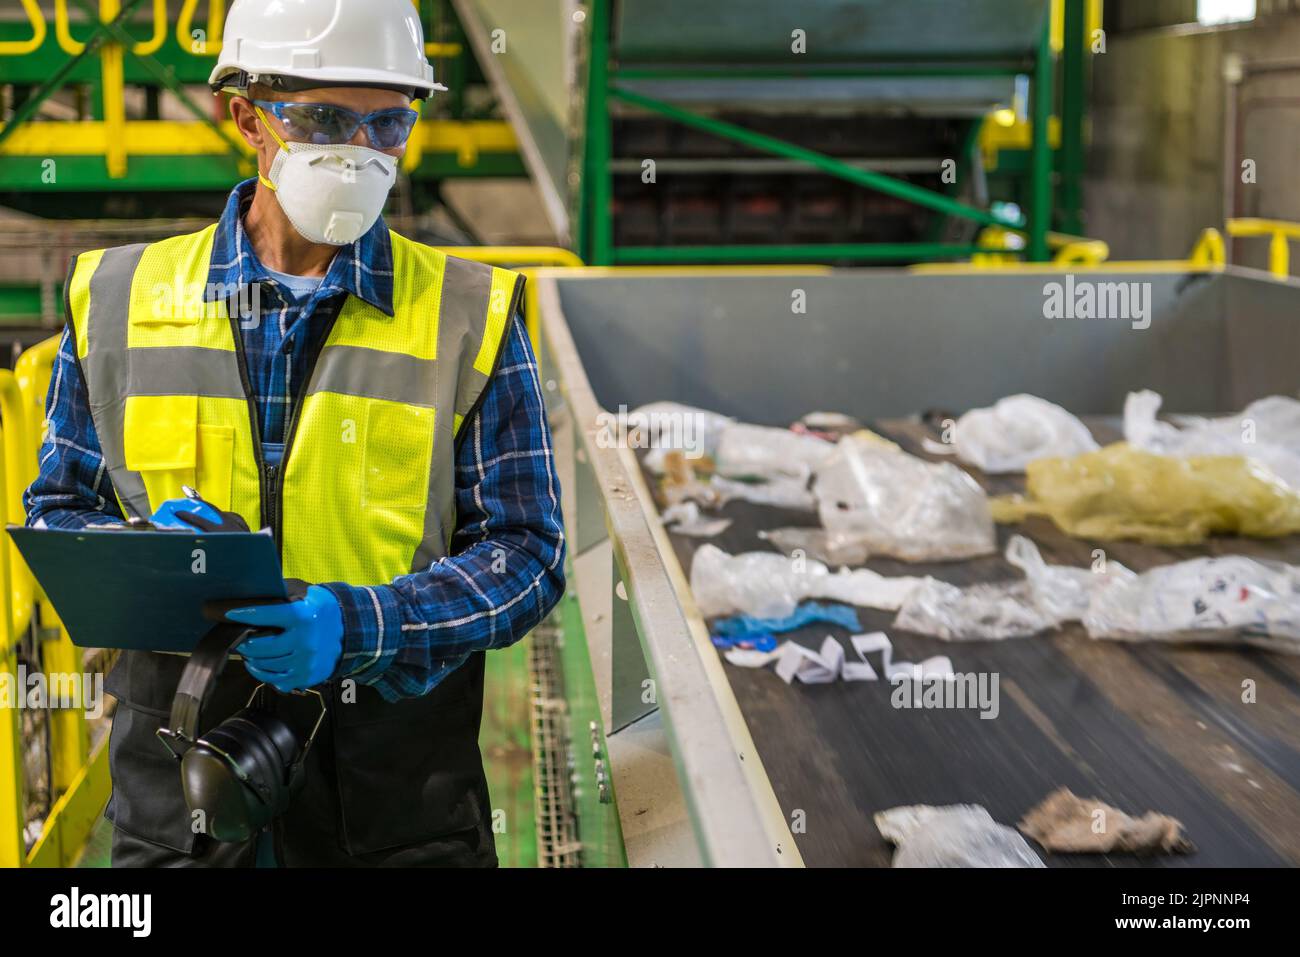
[[148, 590]]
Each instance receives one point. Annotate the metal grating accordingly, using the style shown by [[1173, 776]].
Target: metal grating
[[557, 824]]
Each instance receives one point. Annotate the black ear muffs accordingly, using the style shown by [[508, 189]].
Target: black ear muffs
[[242, 773]]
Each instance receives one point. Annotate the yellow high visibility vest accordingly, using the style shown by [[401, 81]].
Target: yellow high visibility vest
[[365, 490]]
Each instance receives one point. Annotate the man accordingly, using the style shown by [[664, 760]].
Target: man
[[371, 401]]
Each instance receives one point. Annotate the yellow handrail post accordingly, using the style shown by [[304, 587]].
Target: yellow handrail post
[[69, 735], [18, 454], [1280, 233], [13, 848], [113, 88], [1279, 256], [1209, 249], [79, 779]]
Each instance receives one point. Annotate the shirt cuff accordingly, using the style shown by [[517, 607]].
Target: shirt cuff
[[372, 628]]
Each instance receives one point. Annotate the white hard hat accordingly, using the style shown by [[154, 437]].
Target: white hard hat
[[299, 44]]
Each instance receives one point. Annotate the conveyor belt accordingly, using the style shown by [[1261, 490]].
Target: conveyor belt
[[1142, 727]]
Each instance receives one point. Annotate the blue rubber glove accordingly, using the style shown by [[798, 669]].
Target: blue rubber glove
[[308, 649], [166, 516]]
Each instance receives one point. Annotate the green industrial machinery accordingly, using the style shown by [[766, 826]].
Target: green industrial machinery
[[768, 132]]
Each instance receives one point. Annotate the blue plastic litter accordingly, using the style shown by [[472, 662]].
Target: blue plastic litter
[[758, 642], [812, 612]]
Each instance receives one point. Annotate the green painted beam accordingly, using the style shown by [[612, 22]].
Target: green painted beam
[[1074, 97], [869, 179], [28, 174], [1040, 173], [22, 302], [596, 220]]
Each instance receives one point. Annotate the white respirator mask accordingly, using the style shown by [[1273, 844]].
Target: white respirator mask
[[331, 193]]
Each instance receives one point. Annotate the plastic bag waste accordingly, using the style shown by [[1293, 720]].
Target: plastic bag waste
[[670, 426], [1121, 492], [759, 584], [685, 518], [898, 505], [819, 544], [986, 612], [1267, 432], [831, 426], [959, 835], [1048, 596], [1228, 599], [1062, 591], [759, 452], [789, 493], [768, 585], [1013, 432]]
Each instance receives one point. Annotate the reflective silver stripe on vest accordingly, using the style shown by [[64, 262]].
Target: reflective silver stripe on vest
[[105, 368], [375, 374], [466, 292], [185, 370]]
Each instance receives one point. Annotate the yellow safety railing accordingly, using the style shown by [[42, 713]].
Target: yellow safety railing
[[108, 9], [39, 31], [79, 780], [19, 469], [1209, 251], [1075, 253], [1280, 234], [201, 44], [1067, 250], [13, 848]]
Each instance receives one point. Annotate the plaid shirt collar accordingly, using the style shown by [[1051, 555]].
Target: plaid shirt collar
[[363, 268]]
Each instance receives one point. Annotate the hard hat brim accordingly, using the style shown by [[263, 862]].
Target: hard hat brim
[[299, 80]]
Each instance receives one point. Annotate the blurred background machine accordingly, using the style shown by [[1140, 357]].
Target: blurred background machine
[[856, 131]]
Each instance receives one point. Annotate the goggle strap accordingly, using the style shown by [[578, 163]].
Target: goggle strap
[[274, 135]]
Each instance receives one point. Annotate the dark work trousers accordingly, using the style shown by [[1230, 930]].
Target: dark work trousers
[[385, 784]]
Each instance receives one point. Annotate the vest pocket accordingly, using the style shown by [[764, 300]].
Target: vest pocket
[[160, 441], [165, 443], [398, 453], [216, 464]]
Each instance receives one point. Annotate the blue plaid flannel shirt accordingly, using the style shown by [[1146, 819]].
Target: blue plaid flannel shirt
[[505, 569]]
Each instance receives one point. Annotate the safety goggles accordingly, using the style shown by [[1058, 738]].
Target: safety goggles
[[324, 123]]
